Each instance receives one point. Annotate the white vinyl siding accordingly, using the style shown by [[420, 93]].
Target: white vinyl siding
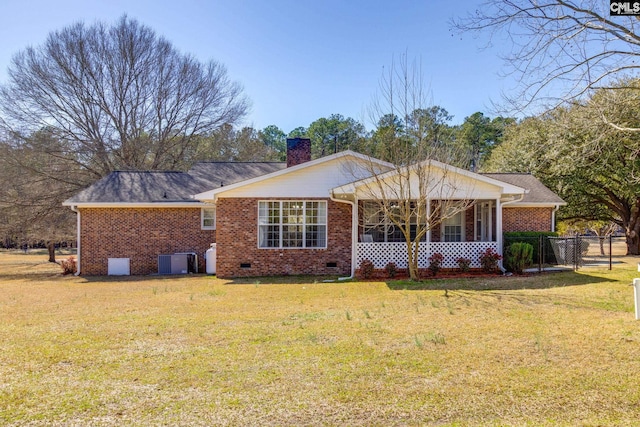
[[292, 224]]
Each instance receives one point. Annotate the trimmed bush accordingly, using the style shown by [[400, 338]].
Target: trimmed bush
[[435, 263], [489, 260], [366, 269], [519, 256], [391, 269], [533, 238], [464, 264]]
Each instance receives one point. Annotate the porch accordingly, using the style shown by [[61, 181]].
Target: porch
[[471, 228], [381, 253]]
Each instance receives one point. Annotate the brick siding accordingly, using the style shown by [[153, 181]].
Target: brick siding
[[526, 219], [141, 235], [237, 223]]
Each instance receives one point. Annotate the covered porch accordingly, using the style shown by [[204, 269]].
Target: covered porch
[[450, 211], [465, 234]]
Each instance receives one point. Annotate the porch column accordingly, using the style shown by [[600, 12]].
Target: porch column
[[354, 236], [499, 236], [428, 222]]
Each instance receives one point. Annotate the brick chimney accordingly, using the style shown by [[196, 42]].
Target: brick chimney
[[298, 151]]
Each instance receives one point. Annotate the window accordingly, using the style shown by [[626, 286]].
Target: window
[[484, 222], [292, 224], [382, 229], [208, 218], [452, 228]]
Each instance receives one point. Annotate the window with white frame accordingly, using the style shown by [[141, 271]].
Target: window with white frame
[[292, 224], [484, 222], [453, 228], [208, 218], [381, 228]]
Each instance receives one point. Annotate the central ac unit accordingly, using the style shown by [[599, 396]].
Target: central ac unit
[[173, 264]]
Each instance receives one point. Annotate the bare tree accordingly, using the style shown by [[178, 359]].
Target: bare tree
[[419, 190], [560, 49], [407, 202], [118, 97], [30, 200], [93, 99]]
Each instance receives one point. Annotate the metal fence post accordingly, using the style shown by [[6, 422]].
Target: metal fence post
[[610, 256], [540, 254]]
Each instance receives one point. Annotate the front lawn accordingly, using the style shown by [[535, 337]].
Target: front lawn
[[552, 349]]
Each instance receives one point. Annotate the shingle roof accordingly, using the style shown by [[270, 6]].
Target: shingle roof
[[157, 187], [153, 187], [538, 192], [216, 174]]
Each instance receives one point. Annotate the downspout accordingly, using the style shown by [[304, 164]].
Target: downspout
[[354, 234], [75, 209], [500, 235], [553, 218]]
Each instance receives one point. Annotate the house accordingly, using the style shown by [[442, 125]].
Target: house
[[303, 217]]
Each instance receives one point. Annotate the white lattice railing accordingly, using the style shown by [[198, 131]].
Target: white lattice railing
[[382, 253]]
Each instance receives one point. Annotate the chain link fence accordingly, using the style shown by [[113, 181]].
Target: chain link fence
[[574, 252]]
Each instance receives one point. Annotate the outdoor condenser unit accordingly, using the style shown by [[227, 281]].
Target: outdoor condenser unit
[[173, 264]]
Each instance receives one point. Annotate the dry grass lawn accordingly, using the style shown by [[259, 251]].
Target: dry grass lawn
[[552, 349]]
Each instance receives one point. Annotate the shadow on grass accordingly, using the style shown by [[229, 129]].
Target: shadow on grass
[[491, 283], [275, 280], [283, 280], [146, 278]]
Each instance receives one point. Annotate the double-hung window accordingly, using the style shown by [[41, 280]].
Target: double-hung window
[[292, 224], [208, 218], [452, 228]]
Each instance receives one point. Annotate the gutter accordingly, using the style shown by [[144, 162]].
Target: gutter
[[75, 209], [354, 234]]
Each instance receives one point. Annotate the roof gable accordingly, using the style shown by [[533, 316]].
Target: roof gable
[[439, 179], [309, 179]]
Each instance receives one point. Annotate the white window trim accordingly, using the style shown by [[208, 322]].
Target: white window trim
[[304, 225], [202, 218], [478, 208], [462, 224]]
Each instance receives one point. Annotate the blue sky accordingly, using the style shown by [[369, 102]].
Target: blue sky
[[297, 60]]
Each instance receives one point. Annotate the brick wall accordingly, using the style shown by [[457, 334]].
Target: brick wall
[[141, 235], [526, 219], [237, 223]]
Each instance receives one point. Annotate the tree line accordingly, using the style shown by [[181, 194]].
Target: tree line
[[38, 171], [93, 99]]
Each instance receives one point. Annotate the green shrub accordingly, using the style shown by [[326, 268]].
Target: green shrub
[[464, 264], [518, 257], [533, 238]]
